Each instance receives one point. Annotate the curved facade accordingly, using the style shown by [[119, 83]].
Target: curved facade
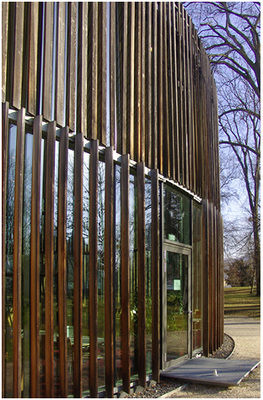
[[112, 233]]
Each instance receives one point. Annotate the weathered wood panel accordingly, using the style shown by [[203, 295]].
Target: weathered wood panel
[[17, 260], [62, 261], [78, 207]]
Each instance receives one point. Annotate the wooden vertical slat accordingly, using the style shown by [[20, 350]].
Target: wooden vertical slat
[[93, 280], [35, 258], [5, 27], [60, 64], [5, 142], [143, 88], [109, 256], [17, 273], [49, 257], [71, 66], [17, 72], [112, 73], [48, 64], [78, 207], [141, 275], [149, 87], [137, 93], [33, 58], [155, 276], [92, 72], [172, 134], [176, 98], [62, 259], [166, 111], [210, 279], [160, 86], [205, 248], [125, 281], [102, 71], [154, 93], [131, 72], [82, 83], [124, 73]]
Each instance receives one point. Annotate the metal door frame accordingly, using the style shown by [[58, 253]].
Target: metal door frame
[[185, 250]]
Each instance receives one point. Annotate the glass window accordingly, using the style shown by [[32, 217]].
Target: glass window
[[176, 216], [148, 264]]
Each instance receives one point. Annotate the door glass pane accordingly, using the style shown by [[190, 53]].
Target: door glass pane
[[177, 305]]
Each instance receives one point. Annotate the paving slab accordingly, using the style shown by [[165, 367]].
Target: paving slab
[[211, 371]]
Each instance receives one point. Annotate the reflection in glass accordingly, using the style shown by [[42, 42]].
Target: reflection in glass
[[148, 261], [100, 266], [10, 196], [197, 278], [85, 304], [176, 216], [177, 305], [117, 275], [70, 269], [26, 232], [133, 251]]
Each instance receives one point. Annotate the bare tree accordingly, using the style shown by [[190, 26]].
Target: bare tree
[[230, 32]]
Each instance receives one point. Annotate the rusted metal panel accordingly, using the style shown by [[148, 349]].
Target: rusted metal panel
[[78, 207], [71, 66], [35, 258], [17, 260], [109, 279], [49, 258], [141, 275], [93, 279], [48, 64], [125, 280], [62, 259], [60, 64], [155, 276]]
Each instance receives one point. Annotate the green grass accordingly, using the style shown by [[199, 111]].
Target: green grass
[[239, 302]]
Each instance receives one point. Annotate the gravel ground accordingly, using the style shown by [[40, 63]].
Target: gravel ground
[[246, 345]]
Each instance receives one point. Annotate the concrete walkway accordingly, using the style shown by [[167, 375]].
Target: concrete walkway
[[246, 334]]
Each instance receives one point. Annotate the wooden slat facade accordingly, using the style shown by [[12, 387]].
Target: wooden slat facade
[[129, 83]]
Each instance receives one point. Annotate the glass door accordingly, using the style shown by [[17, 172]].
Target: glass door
[[177, 322]]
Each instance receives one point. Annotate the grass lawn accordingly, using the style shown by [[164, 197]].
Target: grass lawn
[[240, 303]]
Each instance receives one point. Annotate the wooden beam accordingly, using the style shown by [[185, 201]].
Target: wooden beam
[[62, 259], [109, 279], [93, 273], [125, 280], [35, 258], [141, 275], [78, 256]]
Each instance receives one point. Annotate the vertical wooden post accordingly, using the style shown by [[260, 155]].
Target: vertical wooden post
[[17, 273], [78, 206], [155, 277], [49, 256], [112, 74], [109, 256], [71, 66], [205, 248], [62, 259], [125, 280], [93, 279], [48, 65], [141, 276], [35, 258]]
